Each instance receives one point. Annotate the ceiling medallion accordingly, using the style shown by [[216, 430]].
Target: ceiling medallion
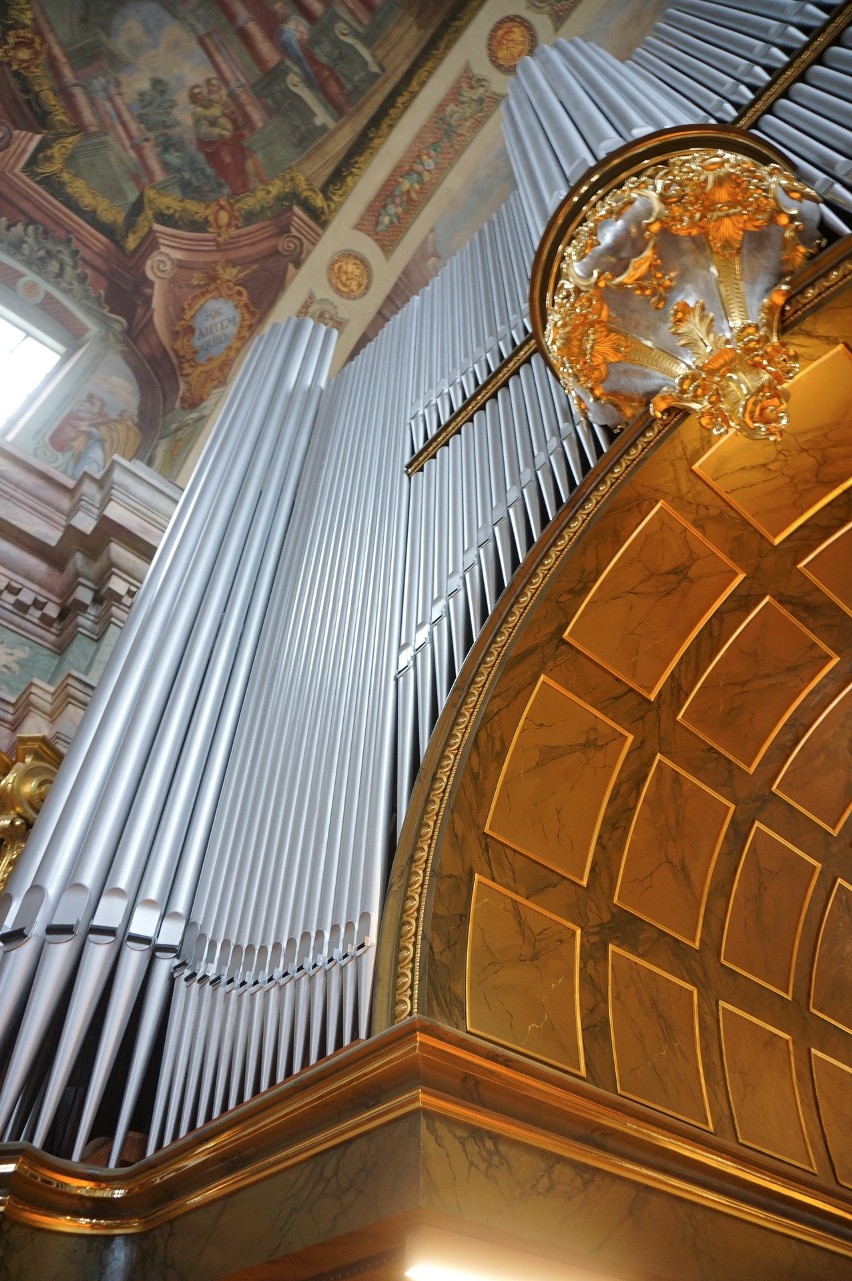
[[349, 274], [662, 276]]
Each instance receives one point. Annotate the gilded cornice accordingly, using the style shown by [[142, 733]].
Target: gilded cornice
[[417, 1069]]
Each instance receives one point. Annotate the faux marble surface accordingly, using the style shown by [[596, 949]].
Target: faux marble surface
[[771, 894], [674, 840], [818, 776], [778, 488], [832, 987], [762, 1085], [509, 938], [356, 1185], [828, 567], [754, 683], [833, 1082], [655, 1038], [556, 780], [651, 915], [663, 584], [624, 1230]]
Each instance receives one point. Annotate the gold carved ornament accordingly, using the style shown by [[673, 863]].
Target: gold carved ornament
[[24, 784], [205, 376], [732, 370]]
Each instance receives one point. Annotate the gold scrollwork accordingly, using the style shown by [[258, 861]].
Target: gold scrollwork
[[203, 377], [734, 382], [24, 784]]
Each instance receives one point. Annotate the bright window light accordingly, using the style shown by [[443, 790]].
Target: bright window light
[[25, 361], [435, 1254]]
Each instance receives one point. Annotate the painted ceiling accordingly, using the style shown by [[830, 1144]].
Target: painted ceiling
[[200, 165]]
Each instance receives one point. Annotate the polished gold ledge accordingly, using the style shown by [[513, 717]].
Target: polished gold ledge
[[419, 1068]]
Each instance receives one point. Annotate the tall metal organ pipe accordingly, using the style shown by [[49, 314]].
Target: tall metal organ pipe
[[194, 915]]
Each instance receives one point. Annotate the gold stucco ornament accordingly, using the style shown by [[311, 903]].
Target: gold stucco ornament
[[661, 278]]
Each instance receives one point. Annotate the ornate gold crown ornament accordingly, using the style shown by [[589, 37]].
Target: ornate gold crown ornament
[[662, 275]]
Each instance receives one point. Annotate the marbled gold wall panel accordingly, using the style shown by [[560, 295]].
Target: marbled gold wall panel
[[771, 893], [831, 994], [649, 602], [829, 567], [762, 1085], [508, 935], [817, 779], [654, 1019], [806, 469], [756, 680], [556, 780], [833, 1082], [563, 776], [674, 839]]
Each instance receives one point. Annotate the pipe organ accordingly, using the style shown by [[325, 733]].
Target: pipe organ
[[195, 914]]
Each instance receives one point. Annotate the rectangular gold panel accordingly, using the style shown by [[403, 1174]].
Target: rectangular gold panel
[[773, 887], [556, 780], [777, 487], [833, 1085], [755, 682], [652, 599], [654, 1025], [830, 567], [523, 975], [762, 1087], [675, 836], [817, 779], [831, 991]]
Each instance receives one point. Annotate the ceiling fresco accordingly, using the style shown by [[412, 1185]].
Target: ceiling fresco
[[175, 111]]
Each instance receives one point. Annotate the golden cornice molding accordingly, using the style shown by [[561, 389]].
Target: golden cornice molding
[[418, 1068]]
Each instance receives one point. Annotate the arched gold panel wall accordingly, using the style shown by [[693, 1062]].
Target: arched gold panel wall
[[626, 858]]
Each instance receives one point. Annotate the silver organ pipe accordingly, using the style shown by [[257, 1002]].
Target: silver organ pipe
[[512, 466], [194, 916], [704, 61]]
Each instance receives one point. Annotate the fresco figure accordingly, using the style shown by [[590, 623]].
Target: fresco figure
[[220, 139], [292, 35], [219, 96], [91, 436]]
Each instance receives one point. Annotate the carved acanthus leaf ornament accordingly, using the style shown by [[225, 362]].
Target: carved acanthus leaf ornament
[[662, 293]]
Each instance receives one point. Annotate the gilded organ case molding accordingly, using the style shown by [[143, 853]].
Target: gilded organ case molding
[[662, 277]]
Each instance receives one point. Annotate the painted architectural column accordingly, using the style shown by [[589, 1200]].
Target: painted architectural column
[[263, 51], [226, 68], [150, 163], [70, 86]]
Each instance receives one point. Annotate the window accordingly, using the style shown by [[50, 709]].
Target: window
[[25, 361]]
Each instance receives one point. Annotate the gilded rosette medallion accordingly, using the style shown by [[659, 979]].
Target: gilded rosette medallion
[[349, 274], [510, 39]]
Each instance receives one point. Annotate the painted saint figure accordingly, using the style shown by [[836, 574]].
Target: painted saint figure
[[292, 35], [91, 435], [220, 139]]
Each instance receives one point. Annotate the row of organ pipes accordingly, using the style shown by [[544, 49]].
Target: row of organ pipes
[[195, 914]]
